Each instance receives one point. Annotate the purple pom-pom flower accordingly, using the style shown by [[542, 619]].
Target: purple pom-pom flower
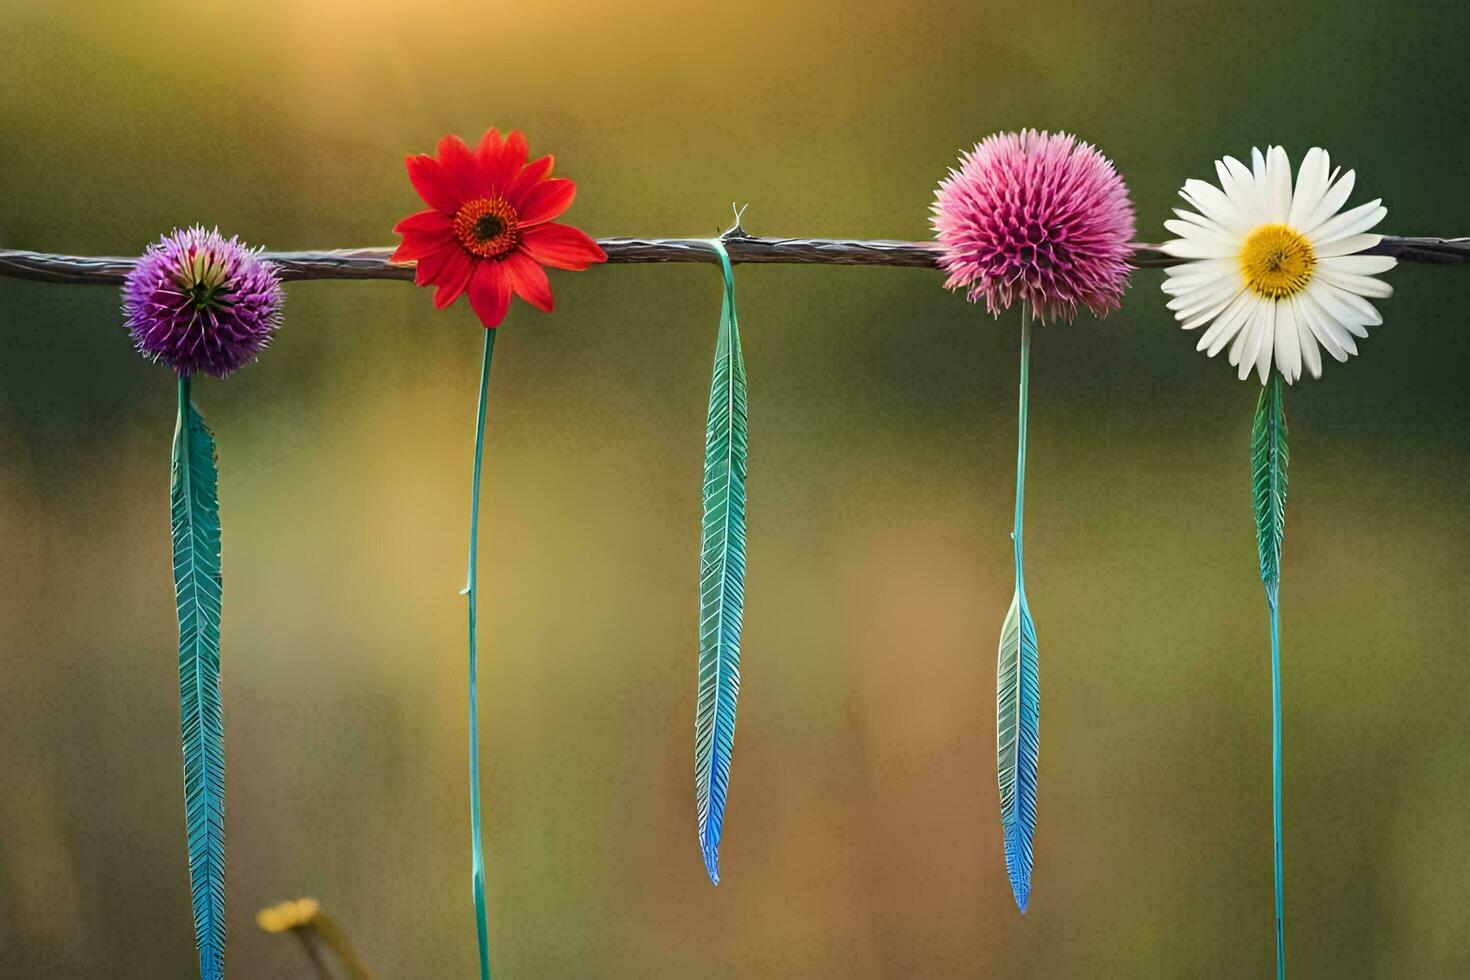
[[197, 302], [1040, 217]]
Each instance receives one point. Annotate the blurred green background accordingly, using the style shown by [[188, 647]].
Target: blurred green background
[[863, 836]]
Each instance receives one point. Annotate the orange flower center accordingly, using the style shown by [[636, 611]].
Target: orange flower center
[[487, 227]]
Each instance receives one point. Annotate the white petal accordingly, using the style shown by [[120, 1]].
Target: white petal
[[1186, 305], [1194, 275], [1191, 304], [1205, 316], [1360, 265], [1201, 269], [1235, 180], [1241, 171], [1353, 222], [1278, 181], [1311, 353], [1332, 201], [1228, 324], [1194, 323], [1228, 327], [1199, 233], [1252, 340], [1362, 285], [1201, 220], [1192, 287], [1211, 202], [1188, 248], [1258, 166], [1311, 184], [1347, 246], [1243, 336], [1268, 342], [1227, 182], [1203, 289], [1352, 311], [1244, 184], [1332, 335], [1288, 343]]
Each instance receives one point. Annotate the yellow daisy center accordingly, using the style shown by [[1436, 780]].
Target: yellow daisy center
[[1277, 261]]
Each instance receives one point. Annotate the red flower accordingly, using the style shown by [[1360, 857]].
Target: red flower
[[488, 230]]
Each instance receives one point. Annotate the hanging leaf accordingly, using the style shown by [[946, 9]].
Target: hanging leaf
[[1017, 684], [196, 538], [721, 578], [1268, 477], [1017, 743], [1268, 485]]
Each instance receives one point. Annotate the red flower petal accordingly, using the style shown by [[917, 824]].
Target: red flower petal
[[547, 200], [561, 247], [528, 280], [512, 160], [531, 175], [487, 155], [419, 245], [454, 279], [489, 147], [458, 165], [431, 267], [429, 180], [424, 222], [490, 293]]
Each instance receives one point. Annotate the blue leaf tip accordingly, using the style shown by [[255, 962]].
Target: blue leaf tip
[[711, 852], [1019, 873], [1022, 891], [1018, 865]]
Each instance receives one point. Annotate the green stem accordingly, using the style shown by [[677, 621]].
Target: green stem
[[314, 955], [337, 942], [182, 423], [1272, 590], [477, 868], [1021, 441]]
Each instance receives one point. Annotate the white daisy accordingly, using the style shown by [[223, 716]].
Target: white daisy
[[1272, 271]]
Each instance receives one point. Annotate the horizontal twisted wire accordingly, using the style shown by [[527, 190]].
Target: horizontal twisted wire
[[373, 263]]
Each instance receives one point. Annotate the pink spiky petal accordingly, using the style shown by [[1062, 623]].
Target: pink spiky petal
[[1039, 217]]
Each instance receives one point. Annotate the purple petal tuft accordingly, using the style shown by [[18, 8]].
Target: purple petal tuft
[[197, 302]]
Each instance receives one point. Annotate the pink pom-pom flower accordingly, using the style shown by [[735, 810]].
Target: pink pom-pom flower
[[1040, 217]]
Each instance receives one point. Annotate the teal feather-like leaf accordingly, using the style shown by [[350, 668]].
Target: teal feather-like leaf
[[1017, 742], [1268, 477], [1268, 484], [1017, 683], [196, 538], [721, 578]]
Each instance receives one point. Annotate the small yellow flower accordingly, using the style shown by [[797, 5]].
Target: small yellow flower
[[288, 915]]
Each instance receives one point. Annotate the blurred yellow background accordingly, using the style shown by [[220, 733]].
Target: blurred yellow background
[[862, 837]]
